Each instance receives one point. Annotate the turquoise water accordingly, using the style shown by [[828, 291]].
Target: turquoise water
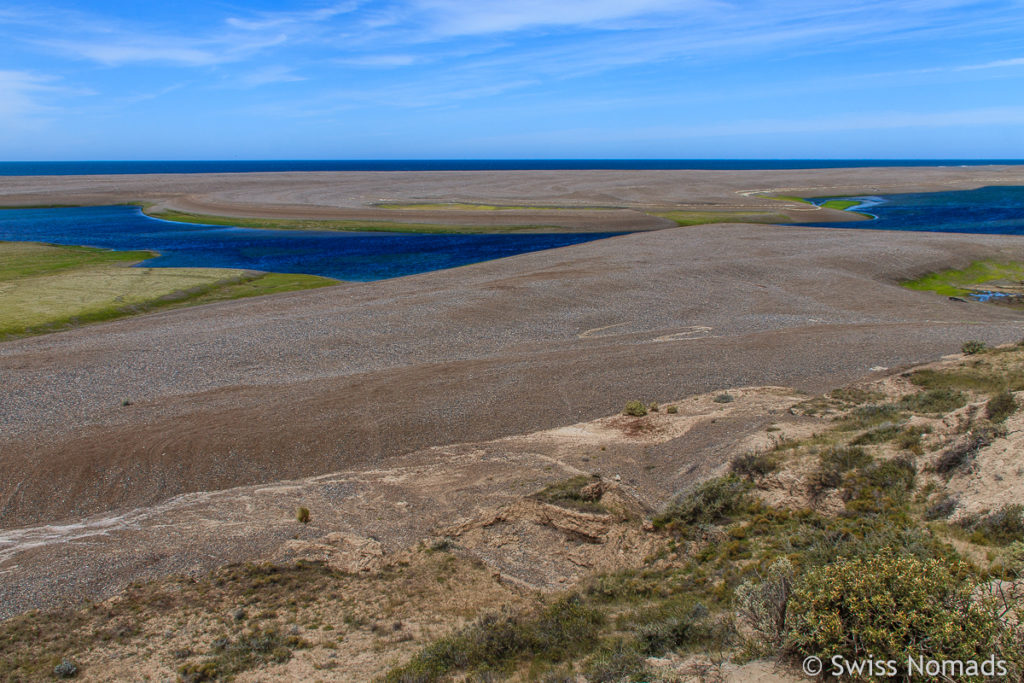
[[343, 255], [993, 210]]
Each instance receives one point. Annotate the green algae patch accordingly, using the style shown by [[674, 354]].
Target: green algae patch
[[45, 287], [978, 276]]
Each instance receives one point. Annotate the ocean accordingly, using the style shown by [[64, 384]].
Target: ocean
[[32, 168]]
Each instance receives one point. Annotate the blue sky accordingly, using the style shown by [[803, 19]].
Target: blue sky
[[402, 79]]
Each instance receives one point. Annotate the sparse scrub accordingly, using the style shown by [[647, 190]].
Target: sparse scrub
[[868, 416], [710, 503], [582, 493], [724, 398], [228, 657], [1000, 407], [497, 641], [763, 606], [302, 515], [635, 409], [961, 454], [755, 465], [941, 508], [1000, 527], [621, 661], [881, 487], [934, 401], [672, 410]]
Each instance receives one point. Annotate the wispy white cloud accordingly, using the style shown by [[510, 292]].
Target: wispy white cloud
[[456, 17], [998, 64], [268, 76], [380, 61], [277, 20], [985, 116]]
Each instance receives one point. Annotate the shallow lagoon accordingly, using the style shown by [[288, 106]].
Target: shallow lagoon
[[997, 210], [358, 256]]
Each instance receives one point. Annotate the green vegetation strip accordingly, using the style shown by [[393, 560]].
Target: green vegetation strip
[[687, 218], [961, 282], [839, 204], [46, 287], [463, 206], [339, 225]]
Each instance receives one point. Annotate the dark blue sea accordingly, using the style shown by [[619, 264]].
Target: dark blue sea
[[14, 168], [343, 255], [993, 210]]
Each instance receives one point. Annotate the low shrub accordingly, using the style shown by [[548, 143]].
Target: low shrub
[[934, 401], [834, 463], [66, 669], [302, 515], [1001, 527], [961, 454], [890, 607], [869, 416], [1000, 407], [635, 409], [497, 641], [754, 465], [941, 508], [762, 605], [724, 398], [712, 502], [973, 346], [620, 662], [582, 492], [882, 487], [248, 650]]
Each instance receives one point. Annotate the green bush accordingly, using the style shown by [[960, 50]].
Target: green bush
[[635, 409], [724, 398], [834, 462], [973, 346], [710, 503], [882, 487], [890, 607], [302, 515], [1000, 407]]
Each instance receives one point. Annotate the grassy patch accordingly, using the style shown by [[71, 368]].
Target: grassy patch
[[960, 283], [51, 287], [934, 401], [466, 206], [338, 225], [839, 204], [687, 218]]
